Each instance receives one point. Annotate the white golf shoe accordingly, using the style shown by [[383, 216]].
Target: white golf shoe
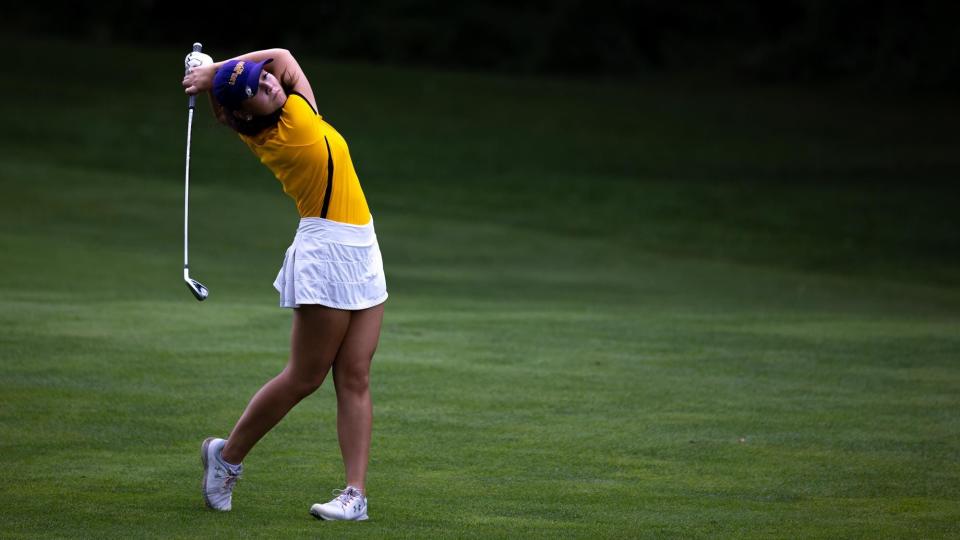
[[349, 505], [218, 478]]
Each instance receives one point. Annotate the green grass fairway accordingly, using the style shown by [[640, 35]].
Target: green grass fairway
[[657, 309]]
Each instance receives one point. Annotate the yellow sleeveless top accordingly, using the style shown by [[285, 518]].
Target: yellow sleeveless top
[[313, 163]]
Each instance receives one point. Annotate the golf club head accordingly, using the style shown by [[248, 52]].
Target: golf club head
[[199, 291]]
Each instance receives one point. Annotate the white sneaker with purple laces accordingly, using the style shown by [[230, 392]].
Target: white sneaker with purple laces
[[218, 476], [349, 505]]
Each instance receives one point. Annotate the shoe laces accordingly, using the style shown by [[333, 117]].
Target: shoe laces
[[229, 478], [345, 496]]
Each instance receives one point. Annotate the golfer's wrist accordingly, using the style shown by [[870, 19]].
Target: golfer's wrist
[[207, 85]]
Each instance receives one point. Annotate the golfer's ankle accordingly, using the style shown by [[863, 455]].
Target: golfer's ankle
[[225, 455]]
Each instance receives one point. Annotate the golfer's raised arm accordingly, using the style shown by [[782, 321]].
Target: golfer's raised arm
[[284, 67]]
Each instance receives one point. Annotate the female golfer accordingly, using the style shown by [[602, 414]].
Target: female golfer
[[332, 274]]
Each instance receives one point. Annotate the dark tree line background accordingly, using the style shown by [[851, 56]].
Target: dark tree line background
[[911, 43]]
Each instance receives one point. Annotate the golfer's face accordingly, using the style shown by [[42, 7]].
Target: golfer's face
[[270, 96]]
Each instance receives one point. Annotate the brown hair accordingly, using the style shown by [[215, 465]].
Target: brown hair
[[251, 127]]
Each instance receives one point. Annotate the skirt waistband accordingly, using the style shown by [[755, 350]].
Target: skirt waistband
[[334, 231]]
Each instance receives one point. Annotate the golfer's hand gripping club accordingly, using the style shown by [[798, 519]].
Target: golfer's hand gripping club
[[195, 59], [199, 291]]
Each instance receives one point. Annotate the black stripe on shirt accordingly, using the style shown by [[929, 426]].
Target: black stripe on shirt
[[326, 196]]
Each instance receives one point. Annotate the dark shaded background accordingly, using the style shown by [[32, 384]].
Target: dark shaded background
[[900, 43]]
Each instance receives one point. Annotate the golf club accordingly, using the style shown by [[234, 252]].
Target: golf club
[[199, 291]]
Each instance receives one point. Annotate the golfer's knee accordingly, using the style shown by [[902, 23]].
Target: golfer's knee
[[310, 386], [354, 381], [302, 385]]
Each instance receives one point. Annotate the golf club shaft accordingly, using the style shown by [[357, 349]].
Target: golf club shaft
[[186, 189], [191, 106]]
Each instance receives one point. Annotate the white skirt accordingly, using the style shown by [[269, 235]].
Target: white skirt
[[333, 264]]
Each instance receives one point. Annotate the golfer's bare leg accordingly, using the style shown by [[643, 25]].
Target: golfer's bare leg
[[315, 339], [351, 377]]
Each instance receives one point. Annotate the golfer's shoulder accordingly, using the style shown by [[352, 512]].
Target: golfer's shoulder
[[299, 122], [299, 103]]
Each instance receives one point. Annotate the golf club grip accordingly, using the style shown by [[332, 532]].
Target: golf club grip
[[192, 102]]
